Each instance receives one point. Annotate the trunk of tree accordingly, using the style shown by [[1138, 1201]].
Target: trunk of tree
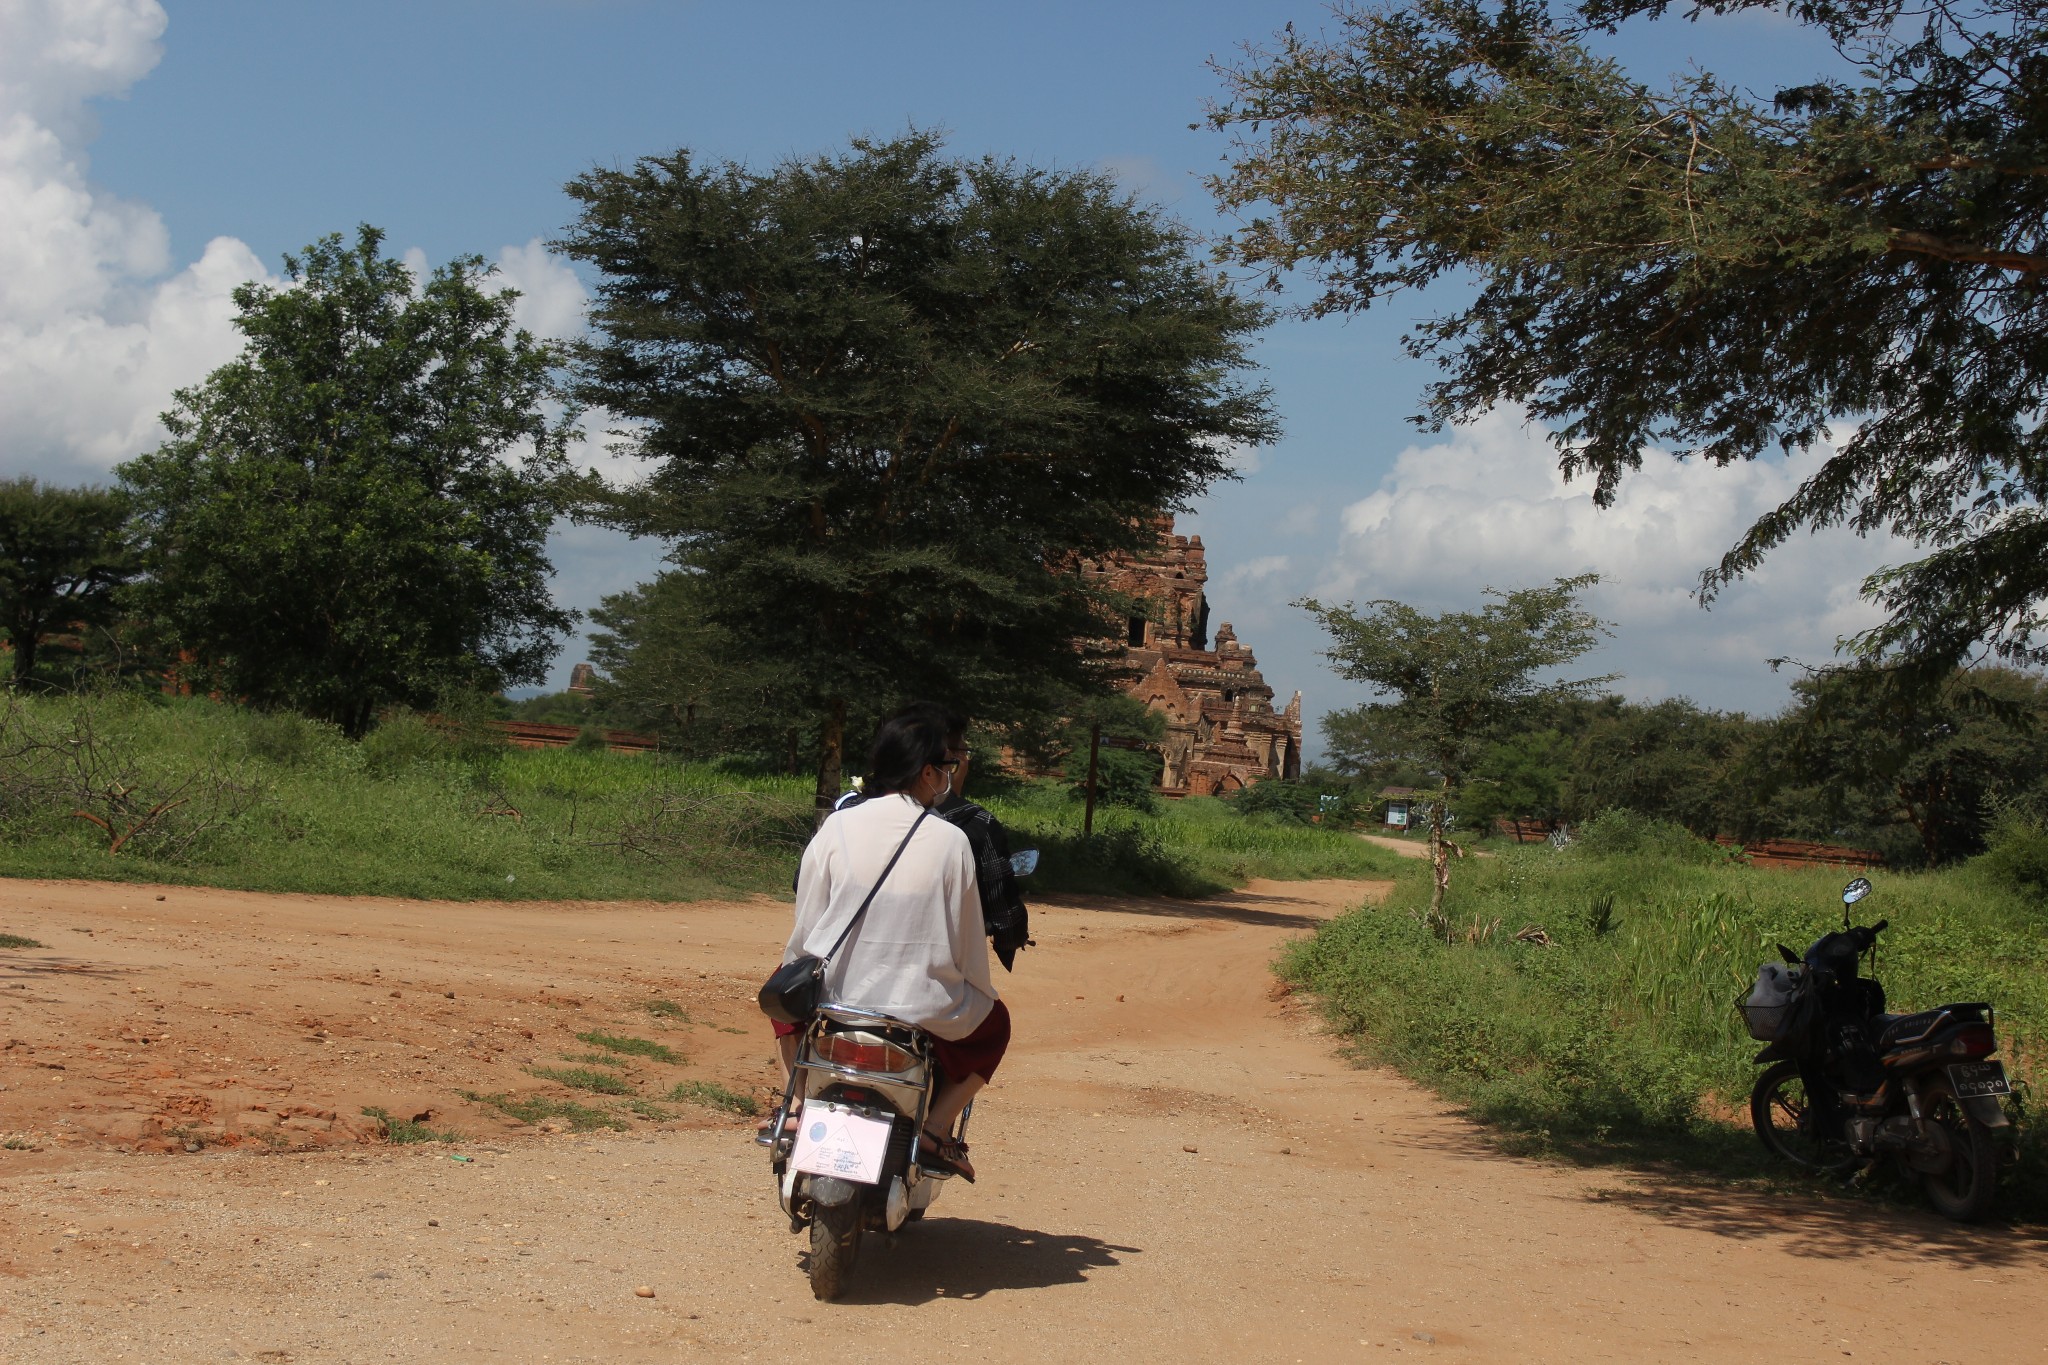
[[24, 639], [831, 757], [1439, 860]]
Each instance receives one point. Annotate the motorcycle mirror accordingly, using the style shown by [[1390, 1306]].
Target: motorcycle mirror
[[1024, 862], [1856, 891], [1788, 955]]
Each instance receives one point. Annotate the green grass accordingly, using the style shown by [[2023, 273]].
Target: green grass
[[630, 1046], [581, 1118], [666, 1009], [714, 1096], [17, 941], [1191, 848], [277, 803], [648, 1109], [408, 1130], [583, 1078], [592, 1059], [1621, 1041]]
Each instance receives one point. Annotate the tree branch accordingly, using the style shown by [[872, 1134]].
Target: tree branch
[[1927, 244]]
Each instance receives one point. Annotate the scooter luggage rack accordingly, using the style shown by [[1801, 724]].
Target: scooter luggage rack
[[774, 1138]]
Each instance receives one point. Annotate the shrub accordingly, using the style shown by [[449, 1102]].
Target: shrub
[[2017, 858], [1615, 833]]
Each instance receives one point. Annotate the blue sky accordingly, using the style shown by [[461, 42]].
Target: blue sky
[[178, 150]]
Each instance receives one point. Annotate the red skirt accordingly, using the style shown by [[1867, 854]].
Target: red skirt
[[978, 1054]]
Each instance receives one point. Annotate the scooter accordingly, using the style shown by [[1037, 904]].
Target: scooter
[[859, 1092], [1850, 1086]]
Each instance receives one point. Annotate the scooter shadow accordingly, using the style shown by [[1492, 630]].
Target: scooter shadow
[[964, 1258]]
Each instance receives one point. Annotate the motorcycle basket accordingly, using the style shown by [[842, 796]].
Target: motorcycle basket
[[1771, 1006], [1768, 1023]]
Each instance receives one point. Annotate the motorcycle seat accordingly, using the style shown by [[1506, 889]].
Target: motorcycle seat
[[1893, 1029]]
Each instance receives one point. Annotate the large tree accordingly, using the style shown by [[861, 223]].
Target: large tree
[[891, 401], [1457, 683], [1923, 778], [353, 513], [1704, 269], [63, 553]]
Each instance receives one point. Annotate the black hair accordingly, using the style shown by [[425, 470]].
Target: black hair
[[945, 717], [907, 743]]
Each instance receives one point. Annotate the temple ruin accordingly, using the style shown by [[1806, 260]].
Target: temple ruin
[[1222, 732]]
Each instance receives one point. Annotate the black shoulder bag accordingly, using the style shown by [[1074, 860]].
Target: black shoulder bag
[[792, 992]]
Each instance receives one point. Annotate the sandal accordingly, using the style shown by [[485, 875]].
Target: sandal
[[944, 1155], [764, 1131]]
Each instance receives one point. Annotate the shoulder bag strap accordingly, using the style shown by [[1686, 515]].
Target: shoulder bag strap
[[886, 870]]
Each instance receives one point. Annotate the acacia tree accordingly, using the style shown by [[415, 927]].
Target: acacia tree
[[354, 512], [891, 401], [63, 553], [1457, 682], [1700, 268]]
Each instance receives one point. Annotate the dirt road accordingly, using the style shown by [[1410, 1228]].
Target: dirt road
[[1175, 1166]]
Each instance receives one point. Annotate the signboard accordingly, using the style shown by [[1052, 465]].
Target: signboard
[[835, 1141]]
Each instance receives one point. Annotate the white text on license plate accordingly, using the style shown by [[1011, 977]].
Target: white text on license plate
[[835, 1141], [1971, 1079]]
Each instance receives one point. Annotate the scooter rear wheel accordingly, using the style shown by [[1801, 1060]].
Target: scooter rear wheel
[[835, 1245], [1788, 1125]]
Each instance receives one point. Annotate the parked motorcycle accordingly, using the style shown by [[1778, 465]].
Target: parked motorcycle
[[1850, 1086], [859, 1092]]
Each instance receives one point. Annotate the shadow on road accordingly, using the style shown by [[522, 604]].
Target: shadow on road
[[1239, 907], [60, 966], [1799, 1223], [961, 1258]]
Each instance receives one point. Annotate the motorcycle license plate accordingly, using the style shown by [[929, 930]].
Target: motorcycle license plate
[[1972, 1079], [837, 1141]]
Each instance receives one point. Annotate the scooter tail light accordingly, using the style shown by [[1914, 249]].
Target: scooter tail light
[[1976, 1041], [863, 1056]]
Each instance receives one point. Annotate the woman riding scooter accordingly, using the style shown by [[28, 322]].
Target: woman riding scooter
[[920, 954]]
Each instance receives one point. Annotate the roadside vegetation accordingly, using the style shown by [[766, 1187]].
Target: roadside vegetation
[[1583, 1001], [135, 787]]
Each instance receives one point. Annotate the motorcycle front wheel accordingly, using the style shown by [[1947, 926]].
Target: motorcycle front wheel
[[1788, 1124], [835, 1243], [1962, 1190]]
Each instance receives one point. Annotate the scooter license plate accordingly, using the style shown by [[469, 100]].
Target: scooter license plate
[[836, 1141], [1971, 1079]]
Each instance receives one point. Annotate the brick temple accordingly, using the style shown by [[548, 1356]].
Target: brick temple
[[1222, 732]]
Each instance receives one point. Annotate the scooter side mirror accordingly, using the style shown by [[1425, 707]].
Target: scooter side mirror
[[1024, 862], [1788, 955], [1856, 891]]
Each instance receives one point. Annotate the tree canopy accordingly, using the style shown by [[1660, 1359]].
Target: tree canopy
[[891, 400], [63, 553], [353, 513], [1705, 269], [1457, 682]]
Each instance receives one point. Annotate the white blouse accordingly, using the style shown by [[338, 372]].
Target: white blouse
[[920, 953]]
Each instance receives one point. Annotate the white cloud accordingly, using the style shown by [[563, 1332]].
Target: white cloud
[[1488, 508], [94, 334], [1257, 571], [552, 301]]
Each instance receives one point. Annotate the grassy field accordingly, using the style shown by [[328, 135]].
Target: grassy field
[[195, 792], [1619, 1040]]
